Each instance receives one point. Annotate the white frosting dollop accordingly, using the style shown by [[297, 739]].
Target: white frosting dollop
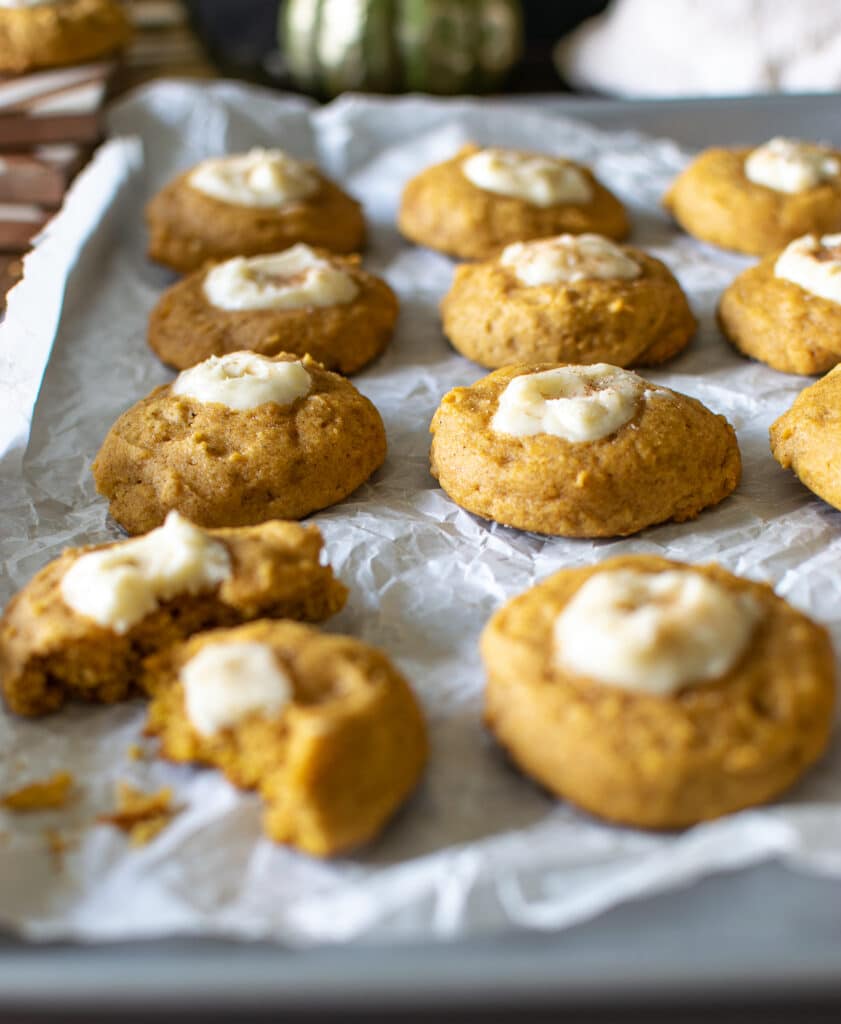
[[537, 179], [120, 586], [787, 165], [225, 683], [261, 177], [243, 380], [577, 403], [294, 279], [814, 264], [653, 632], [567, 259]]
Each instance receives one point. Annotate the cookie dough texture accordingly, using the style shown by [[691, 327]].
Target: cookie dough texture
[[338, 761], [779, 323], [807, 438], [714, 201], [443, 210], [188, 228], [653, 761], [65, 32], [673, 459], [223, 467], [493, 319], [50, 653], [186, 328]]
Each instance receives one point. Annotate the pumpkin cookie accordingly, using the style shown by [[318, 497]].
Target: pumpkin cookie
[[82, 626], [806, 439], [757, 201], [483, 199], [238, 440], [573, 298], [786, 310], [580, 451], [257, 202], [49, 33], [301, 301], [323, 726], [658, 694]]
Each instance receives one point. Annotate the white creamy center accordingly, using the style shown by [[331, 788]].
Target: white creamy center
[[653, 632], [261, 177], [566, 259], [225, 683], [787, 165], [26, 3], [243, 380], [540, 180], [814, 264], [577, 403], [121, 585], [294, 279]]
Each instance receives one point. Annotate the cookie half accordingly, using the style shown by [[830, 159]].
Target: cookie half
[[238, 440], [580, 451], [481, 200], [658, 694], [83, 625], [323, 726], [571, 298]]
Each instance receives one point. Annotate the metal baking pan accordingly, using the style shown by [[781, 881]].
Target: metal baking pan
[[762, 935]]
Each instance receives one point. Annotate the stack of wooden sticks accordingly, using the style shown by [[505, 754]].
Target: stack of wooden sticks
[[51, 120]]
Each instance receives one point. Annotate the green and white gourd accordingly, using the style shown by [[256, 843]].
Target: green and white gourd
[[434, 46]]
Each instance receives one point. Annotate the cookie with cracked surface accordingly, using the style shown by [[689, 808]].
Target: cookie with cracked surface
[[573, 298], [580, 451], [302, 301], [658, 694], [481, 200], [248, 204], [83, 625], [237, 440], [324, 727]]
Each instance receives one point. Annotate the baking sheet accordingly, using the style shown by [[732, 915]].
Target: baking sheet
[[479, 849]]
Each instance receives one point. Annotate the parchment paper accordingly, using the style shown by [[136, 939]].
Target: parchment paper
[[479, 849]]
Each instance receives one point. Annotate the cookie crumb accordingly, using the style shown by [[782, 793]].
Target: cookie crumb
[[44, 795], [140, 815], [57, 846], [136, 753]]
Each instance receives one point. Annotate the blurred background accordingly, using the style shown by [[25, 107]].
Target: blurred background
[[354, 43], [633, 48]]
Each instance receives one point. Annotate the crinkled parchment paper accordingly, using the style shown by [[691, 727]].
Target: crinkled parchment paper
[[479, 849]]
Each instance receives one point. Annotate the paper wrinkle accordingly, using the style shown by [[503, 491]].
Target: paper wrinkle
[[479, 849]]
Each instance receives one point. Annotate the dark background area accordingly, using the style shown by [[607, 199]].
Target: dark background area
[[241, 36]]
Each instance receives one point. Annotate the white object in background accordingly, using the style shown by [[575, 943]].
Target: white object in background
[[706, 48]]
